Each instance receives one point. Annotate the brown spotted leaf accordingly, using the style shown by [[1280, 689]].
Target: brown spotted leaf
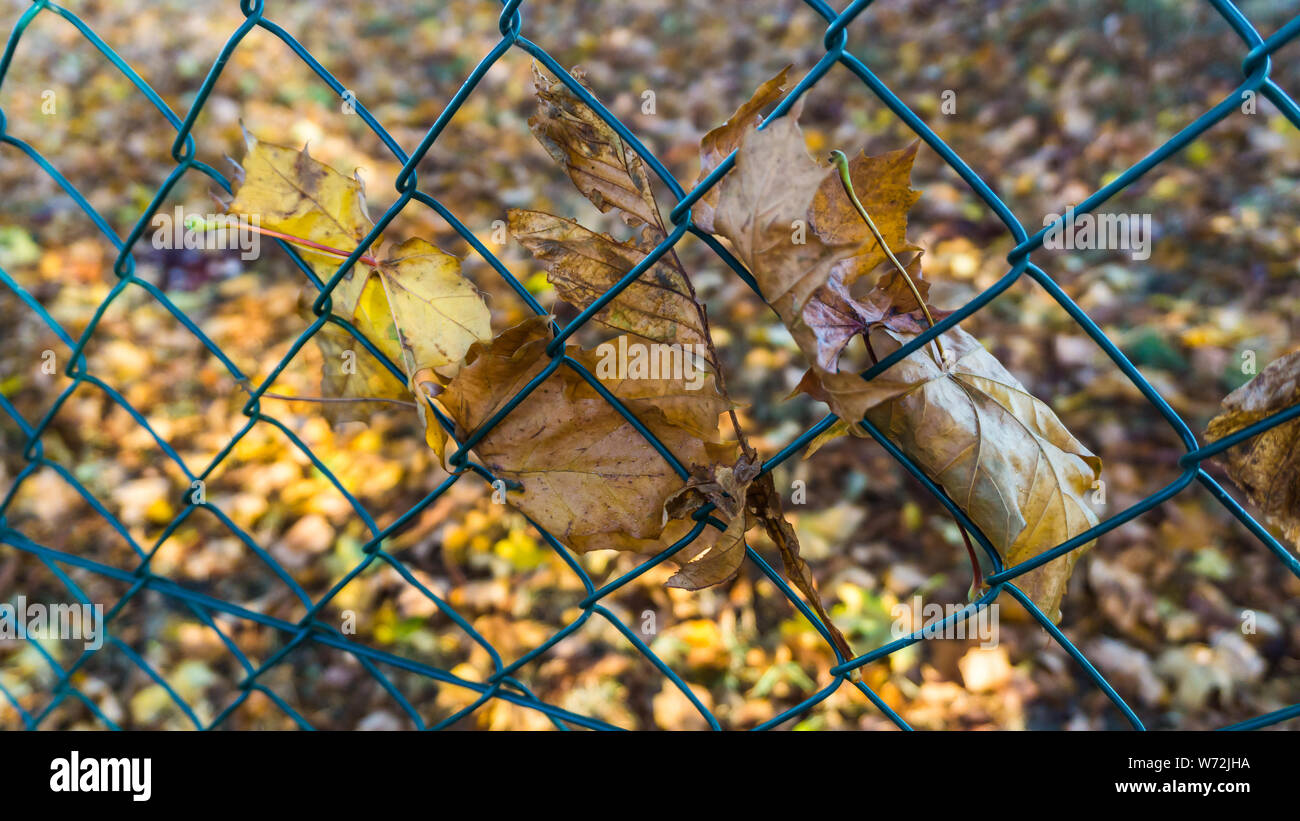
[[583, 265], [1266, 466], [604, 168]]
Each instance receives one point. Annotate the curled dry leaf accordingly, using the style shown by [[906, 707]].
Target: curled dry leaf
[[834, 316], [1266, 466], [587, 474], [726, 486], [999, 452], [604, 168], [583, 265], [414, 306]]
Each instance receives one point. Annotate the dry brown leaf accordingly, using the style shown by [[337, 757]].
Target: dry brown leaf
[[587, 475], [721, 141], [835, 317], [998, 452], [883, 185], [726, 486], [1266, 466], [764, 504], [605, 169], [764, 211], [583, 265]]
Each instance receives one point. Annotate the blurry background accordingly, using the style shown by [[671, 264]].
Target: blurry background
[[1053, 100]]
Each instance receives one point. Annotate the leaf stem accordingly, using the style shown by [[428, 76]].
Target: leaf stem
[[842, 163], [294, 240]]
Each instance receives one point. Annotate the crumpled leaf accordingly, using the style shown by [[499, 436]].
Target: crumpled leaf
[[1266, 466], [835, 317], [583, 265], [721, 141], [998, 452], [726, 486], [606, 170], [587, 475]]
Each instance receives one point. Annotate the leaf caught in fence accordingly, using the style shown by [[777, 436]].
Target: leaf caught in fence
[[721, 141], [419, 310], [764, 210], [414, 306], [344, 373], [604, 168], [725, 486], [886, 192], [997, 451], [289, 191], [583, 265], [587, 474], [1266, 466]]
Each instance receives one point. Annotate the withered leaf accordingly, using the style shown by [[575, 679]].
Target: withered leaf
[[726, 486], [583, 265], [883, 185], [604, 168], [764, 213], [764, 504], [1266, 466], [999, 453], [721, 141], [587, 474], [835, 317]]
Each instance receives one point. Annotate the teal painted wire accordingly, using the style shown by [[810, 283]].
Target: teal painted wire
[[502, 684]]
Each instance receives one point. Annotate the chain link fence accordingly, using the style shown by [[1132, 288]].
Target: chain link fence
[[502, 683]]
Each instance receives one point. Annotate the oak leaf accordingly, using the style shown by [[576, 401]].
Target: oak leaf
[[1266, 466]]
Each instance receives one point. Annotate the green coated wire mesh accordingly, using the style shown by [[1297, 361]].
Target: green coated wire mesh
[[503, 684]]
